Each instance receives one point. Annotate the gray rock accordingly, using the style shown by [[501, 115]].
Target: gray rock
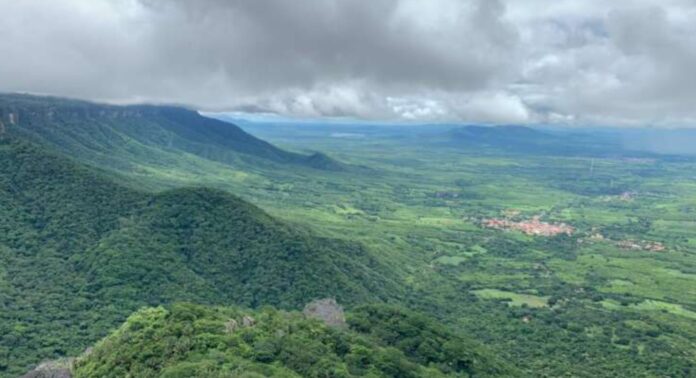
[[231, 326], [248, 321], [52, 369], [326, 310]]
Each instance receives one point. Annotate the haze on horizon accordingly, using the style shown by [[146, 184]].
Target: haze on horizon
[[566, 62]]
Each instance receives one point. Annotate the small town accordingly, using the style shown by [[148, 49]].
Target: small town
[[530, 227]]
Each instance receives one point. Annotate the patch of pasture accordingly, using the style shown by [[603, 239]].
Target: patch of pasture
[[515, 299], [652, 306]]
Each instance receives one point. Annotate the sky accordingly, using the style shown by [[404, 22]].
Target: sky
[[565, 62]]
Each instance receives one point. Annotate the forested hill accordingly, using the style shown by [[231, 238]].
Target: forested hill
[[79, 252], [110, 135], [187, 340]]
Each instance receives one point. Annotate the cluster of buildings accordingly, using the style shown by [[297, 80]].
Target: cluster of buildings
[[530, 227]]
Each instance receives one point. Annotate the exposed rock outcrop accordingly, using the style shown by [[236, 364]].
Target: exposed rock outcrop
[[248, 321], [233, 325], [52, 369], [326, 310]]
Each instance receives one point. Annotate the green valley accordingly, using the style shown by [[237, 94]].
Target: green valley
[[347, 188], [567, 255]]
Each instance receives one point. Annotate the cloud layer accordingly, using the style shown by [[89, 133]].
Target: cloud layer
[[492, 61]]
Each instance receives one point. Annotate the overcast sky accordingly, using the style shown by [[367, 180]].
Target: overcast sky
[[578, 62]]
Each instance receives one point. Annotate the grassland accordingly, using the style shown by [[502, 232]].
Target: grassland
[[513, 299]]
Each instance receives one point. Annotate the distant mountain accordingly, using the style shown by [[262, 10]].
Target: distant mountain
[[659, 141], [109, 135], [79, 252], [187, 340], [526, 140]]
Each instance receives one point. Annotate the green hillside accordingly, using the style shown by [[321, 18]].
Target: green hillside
[[195, 341], [79, 252], [116, 136], [215, 247]]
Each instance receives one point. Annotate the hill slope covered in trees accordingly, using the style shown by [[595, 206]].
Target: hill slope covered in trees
[[187, 340], [79, 252], [120, 137]]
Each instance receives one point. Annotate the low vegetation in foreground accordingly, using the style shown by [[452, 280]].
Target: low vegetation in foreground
[[185, 340]]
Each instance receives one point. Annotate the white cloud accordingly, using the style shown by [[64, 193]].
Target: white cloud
[[492, 61]]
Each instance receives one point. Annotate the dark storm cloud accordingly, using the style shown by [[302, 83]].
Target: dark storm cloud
[[481, 60]]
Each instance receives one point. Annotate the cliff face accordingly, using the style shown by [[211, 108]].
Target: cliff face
[[18, 111], [7, 118]]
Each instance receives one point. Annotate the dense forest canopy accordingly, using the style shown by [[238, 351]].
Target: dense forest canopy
[[80, 252], [193, 341]]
